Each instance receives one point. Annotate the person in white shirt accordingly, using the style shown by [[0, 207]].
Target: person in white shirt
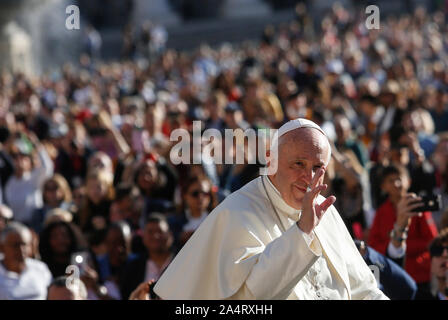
[[23, 190], [21, 278], [276, 237]]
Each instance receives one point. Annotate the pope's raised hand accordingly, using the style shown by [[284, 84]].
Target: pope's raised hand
[[312, 212]]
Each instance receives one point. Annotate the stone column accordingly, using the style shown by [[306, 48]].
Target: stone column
[[15, 49], [15, 43]]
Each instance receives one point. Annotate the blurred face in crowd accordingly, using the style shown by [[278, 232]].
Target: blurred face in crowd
[[157, 237], [439, 261], [96, 190], [115, 214], [100, 160], [60, 240], [16, 248], [127, 130], [198, 196], [58, 291], [440, 156], [301, 153], [296, 106], [154, 117], [22, 163], [117, 247], [367, 108], [400, 155], [148, 175], [52, 194], [232, 118], [215, 106], [412, 121], [79, 195], [396, 185], [343, 128], [61, 293], [387, 98]]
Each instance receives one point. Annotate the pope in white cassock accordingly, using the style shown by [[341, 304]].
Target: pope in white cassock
[[276, 237]]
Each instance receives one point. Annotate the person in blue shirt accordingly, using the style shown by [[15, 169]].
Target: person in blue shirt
[[112, 264], [394, 281]]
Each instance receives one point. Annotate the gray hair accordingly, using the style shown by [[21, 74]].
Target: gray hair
[[17, 228], [78, 288]]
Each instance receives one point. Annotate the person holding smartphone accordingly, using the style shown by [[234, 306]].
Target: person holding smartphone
[[399, 231]]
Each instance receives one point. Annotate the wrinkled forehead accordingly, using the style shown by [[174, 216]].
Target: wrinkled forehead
[[309, 139], [15, 236]]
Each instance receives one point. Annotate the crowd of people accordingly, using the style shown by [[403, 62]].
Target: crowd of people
[[86, 177]]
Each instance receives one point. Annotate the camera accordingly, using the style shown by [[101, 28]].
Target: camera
[[431, 202]]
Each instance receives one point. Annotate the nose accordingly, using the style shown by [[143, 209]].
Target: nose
[[308, 176], [445, 252]]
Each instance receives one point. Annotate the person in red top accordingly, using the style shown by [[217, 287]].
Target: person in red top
[[400, 233]]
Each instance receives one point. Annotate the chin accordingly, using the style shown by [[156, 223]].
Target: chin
[[295, 202], [298, 204]]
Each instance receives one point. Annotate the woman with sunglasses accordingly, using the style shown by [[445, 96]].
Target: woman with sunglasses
[[56, 193], [198, 200], [439, 265]]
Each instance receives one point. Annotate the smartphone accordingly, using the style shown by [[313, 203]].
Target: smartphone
[[80, 259], [431, 202]]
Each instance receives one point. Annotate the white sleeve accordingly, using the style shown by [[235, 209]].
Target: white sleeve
[[286, 260], [45, 170], [396, 253]]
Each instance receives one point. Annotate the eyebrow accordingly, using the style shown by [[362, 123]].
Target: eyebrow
[[321, 164]]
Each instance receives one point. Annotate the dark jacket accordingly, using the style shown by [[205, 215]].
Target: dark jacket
[[133, 275], [395, 282]]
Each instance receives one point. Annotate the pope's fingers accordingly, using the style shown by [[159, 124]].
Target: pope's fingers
[[326, 204], [317, 176], [314, 192]]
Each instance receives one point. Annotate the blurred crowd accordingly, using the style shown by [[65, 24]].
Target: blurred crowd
[[86, 178]]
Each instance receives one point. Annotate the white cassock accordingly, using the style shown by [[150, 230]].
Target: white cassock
[[241, 252]]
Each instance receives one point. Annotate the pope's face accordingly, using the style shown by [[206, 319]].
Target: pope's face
[[301, 153]]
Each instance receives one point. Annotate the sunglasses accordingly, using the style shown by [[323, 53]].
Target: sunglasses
[[437, 251], [51, 188], [196, 193]]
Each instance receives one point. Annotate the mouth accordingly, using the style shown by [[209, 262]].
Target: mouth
[[301, 189]]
